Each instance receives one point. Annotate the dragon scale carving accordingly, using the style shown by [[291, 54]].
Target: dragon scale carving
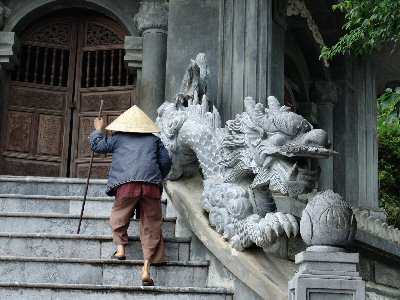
[[261, 150]]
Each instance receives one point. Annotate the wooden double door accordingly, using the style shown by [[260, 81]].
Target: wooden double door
[[68, 63]]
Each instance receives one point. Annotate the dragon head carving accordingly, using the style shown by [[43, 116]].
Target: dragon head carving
[[273, 144]]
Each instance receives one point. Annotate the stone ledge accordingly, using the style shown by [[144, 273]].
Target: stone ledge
[[266, 274], [9, 178], [159, 289], [50, 197], [16, 259], [64, 216], [382, 290], [82, 237]]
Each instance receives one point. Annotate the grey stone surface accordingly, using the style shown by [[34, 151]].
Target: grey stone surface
[[9, 49], [94, 206], [75, 259], [324, 93], [326, 272], [29, 185], [80, 246], [109, 292], [133, 53], [67, 224], [387, 275], [365, 268], [381, 292], [193, 27], [218, 274], [98, 272], [355, 136], [251, 54]]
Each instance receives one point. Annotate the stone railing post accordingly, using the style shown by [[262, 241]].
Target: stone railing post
[[324, 94], [326, 271], [152, 24]]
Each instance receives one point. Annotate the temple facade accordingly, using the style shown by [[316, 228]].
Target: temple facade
[[60, 58]]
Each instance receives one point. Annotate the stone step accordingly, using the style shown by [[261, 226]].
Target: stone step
[[83, 246], [56, 186], [40, 291], [100, 272], [68, 224], [95, 206]]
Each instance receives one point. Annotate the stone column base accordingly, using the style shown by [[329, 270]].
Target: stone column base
[[326, 273]]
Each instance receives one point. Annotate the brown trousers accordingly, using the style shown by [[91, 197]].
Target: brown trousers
[[151, 236]]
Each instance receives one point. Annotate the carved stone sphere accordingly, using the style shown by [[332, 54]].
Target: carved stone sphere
[[328, 220]]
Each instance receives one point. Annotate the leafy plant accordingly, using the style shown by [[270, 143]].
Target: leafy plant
[[369, 24], [389, 157], [390, 104]]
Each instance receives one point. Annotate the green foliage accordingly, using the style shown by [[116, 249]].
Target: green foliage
[[369, 24], [389, 105], [389, 159]]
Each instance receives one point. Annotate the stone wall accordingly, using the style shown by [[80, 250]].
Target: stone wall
[[193, 27], [355, 135]]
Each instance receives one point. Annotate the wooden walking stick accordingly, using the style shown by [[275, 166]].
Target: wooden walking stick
[[88, 176]]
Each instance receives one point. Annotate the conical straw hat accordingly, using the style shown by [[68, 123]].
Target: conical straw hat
[[133, 120]]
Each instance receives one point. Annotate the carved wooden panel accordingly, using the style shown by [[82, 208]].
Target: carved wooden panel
[[37, 98], [100, 35], [113, 101], [85, 128], [19, 167], [99, 170], [19, 131], [54, 33], [50, 135]]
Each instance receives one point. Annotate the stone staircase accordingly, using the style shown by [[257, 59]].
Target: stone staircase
[[42, 257]]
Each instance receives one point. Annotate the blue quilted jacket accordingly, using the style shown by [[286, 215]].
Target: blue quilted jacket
[[136, 157]]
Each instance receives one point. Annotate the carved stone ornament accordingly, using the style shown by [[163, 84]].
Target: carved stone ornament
[[376, 226], [152, 15], [264, 149], [5, 12], [299, 8], [328, 220]]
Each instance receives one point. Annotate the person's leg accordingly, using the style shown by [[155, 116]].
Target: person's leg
[[151, 234], [121, 214]]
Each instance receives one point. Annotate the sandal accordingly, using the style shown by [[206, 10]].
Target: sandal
[[117, 256], [148, 282]]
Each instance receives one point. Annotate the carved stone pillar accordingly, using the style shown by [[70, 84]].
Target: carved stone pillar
[[324, 94], [9, 50], [152, 24], [133, 60]]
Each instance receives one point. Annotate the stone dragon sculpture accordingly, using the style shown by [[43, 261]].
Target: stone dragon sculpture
[[261, 150]]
